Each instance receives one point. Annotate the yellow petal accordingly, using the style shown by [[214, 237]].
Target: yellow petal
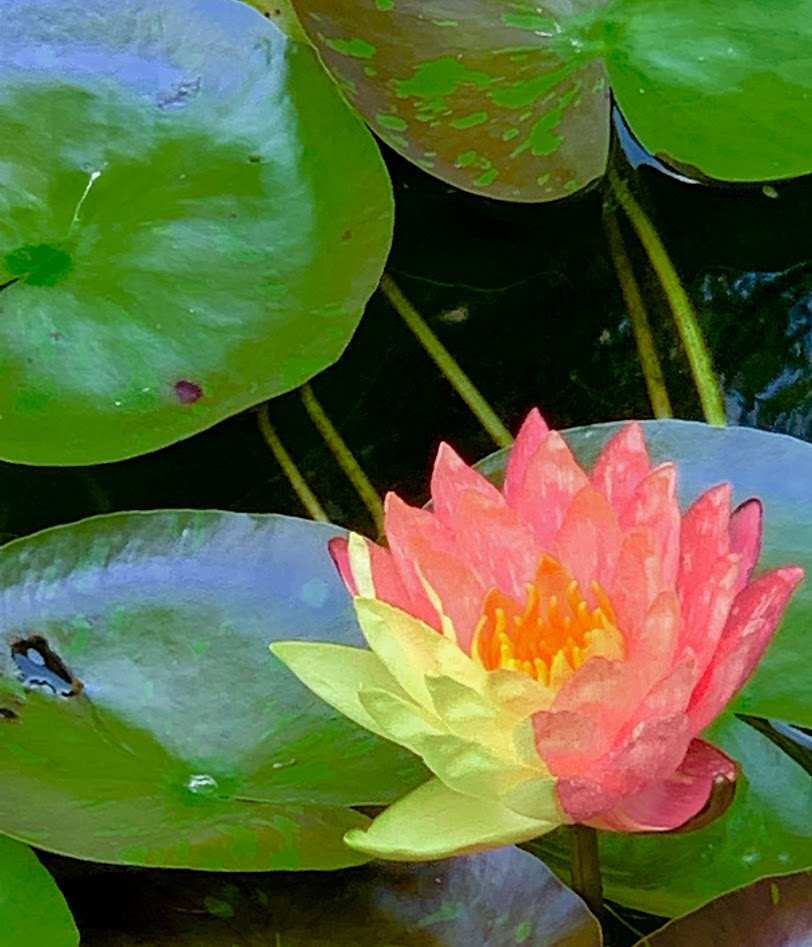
[[411, 649], [336, 673], [518, 693], [536, 799], [360, 564], [434, 822], [463, 764], [468, 714]]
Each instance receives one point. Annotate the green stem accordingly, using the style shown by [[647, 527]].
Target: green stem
[[641, 327], [344, 456], [446, 362], [297, 481], [586, 869], [707, 384]]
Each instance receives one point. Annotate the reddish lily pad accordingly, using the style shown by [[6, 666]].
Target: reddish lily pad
[[177, 241], [484, 95], [502, 898], [775, 912], [143, 720]]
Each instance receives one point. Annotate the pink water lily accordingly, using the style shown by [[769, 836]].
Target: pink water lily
[[554, 649]]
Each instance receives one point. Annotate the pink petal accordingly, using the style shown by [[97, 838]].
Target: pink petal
[[753, 620], [623, 463], [653, 506], [652, 652], [611, 695], [421, 546], [563, 739], [498, 549], [653, 752], [706, 607], [675, 800], [386, 579], [530, 437], [552, 478], [636, 581], [745, 537], [704, 536], [451, 479], [589, 540], [338, 547]]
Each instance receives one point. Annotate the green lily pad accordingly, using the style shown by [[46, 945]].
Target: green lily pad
[[33, 912], [143, 720], [502, 898], [718, 86], [775, 912], [766, 830], [511, 100], [192, 221]]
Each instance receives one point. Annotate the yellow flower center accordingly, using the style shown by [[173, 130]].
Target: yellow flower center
[[552, 633]]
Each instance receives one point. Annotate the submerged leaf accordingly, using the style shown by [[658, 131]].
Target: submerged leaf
[[775, 912], [502, 898]]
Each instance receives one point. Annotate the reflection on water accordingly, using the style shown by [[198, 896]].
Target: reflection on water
[[764, 322]]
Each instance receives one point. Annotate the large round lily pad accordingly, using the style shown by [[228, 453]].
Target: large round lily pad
[[191, 222], [143, 719], [503, 898], [33, 912], [766, 830], [511, 100]]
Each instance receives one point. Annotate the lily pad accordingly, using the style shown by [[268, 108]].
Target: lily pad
[[192, 221], [766, 830], [512, 100], [502, 898], [483, 94], [775, 912], [143, 720], [32, 910]]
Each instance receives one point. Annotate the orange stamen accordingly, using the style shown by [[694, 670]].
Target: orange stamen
[[549, 635]]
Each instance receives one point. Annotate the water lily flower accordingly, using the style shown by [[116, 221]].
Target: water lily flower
[[552, 650]]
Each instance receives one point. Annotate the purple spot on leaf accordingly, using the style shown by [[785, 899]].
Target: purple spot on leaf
[[188, 392]]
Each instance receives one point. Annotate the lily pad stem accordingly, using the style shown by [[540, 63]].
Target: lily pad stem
[[306, 496], [446, 362], [586, 868], [344, 456], [641, 327], [699, 359]]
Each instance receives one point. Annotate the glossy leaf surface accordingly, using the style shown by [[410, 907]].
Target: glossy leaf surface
[[501, 898], [191, 222], [511, 100], [144, 719], [481, 93]]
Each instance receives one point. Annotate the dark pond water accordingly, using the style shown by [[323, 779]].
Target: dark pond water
[[526, 298]]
